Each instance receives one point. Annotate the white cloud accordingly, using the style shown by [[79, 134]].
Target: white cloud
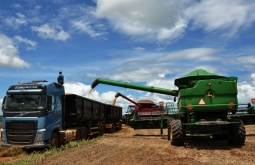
[[253, 80], [144, 20], [21, 19], [19, 39], [245, 92], [9, 54], [197, 54], [85, 91], [54, 32], [89, 28], [139, 74], [139, 49], [228, 15]]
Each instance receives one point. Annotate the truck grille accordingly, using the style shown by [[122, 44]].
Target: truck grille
[[21, 132]]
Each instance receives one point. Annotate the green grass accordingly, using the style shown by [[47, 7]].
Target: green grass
[[38, 156]]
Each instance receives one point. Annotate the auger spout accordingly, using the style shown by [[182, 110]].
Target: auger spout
[[134, 86], [119, 94]]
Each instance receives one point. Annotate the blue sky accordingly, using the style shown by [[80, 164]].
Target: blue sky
[[150, 42]]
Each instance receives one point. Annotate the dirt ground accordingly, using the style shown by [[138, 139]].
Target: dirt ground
[[148, 147]]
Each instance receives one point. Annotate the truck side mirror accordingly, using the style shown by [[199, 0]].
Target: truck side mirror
[[175, 99], [3, 104]]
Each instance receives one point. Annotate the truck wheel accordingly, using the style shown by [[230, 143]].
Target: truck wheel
[[237, 134], [168, 127], [176, 133], [55, 140]]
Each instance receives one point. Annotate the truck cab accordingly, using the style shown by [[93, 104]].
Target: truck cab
[[32, 112]]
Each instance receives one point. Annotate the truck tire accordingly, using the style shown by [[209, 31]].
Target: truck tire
[[238, 133], [54, 142], [168, 127], [176, 133]]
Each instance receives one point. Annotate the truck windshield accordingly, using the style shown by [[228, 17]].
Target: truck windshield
[[24, 102]]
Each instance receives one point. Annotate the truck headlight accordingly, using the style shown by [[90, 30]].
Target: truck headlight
[[40, 135], [2, 133]]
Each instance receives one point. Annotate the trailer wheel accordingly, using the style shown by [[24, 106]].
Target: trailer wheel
[[113, 128], [100, 133], [176, 133], [102, 127], [55, 143], [168, 127], [84, 134], [78, 135], [237, 134]]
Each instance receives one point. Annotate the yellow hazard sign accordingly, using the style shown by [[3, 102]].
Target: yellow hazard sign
[[201, 102]]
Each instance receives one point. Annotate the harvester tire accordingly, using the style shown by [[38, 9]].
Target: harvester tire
[[176, 133], [238, 133], [55, 142], [168, 127]]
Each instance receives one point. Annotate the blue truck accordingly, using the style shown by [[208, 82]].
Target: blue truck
[[39, 114]]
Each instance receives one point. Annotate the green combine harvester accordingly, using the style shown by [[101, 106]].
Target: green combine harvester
[[207, 104]]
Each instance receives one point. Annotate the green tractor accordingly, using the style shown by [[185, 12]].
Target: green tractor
[[204, 102]]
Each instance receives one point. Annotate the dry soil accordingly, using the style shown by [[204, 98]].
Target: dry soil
[[148, 147]]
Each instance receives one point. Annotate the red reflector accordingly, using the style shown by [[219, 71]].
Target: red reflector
[[189, 108], [231, 107]]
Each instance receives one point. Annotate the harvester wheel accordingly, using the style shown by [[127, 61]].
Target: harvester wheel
[[238, 133], [176, 133], [168, 127], [55, 142]]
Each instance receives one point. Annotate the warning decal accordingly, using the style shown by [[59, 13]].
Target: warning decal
[[201, 102]]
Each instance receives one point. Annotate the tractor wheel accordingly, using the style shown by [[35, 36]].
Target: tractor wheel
[[176, 133], [168, 127], [55, 142], [237, 134]]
